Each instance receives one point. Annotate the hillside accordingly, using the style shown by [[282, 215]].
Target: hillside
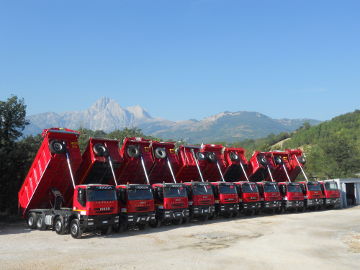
[[332, 148]]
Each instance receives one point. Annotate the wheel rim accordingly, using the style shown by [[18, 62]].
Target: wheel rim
[[39, 222], [74, 229], [58, 225], [31, 221]]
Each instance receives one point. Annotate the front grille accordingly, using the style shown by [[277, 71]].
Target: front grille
[[178, 205], [142, 208], [206, 202]]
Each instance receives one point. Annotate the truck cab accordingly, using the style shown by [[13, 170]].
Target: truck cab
[[332, 194], [313, 194], [249, 197], [292, 196], [226, 199], [136, 205], [171, 203], [269, 196], [201, 199]]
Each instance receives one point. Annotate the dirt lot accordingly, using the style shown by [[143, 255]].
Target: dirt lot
[[312, 240]]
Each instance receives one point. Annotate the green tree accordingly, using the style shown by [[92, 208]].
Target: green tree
[[12, 123]]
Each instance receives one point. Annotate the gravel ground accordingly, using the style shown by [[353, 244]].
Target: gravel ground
[[312, 240]]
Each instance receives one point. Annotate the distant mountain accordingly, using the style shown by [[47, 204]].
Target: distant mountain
[[107, 115]]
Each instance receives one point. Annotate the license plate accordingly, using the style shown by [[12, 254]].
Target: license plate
[[231, 208], [206, 211], [105, 221]]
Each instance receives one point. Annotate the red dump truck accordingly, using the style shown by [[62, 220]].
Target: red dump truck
[[271, 200], [200, 193], [331, 192], [236, 164], [291, 192], [171, 202], [50, 196], [313, 194], [249, 197]]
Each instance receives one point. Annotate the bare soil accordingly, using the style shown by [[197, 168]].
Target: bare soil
[[311, 240]]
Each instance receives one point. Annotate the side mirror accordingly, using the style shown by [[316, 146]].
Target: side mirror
[[82, 196]]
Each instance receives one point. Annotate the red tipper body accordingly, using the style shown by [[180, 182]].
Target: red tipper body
[[296, 161], [131, 152], [50, 170], [282, 166], [95, 167], [187, 164], [162, 152], [258, 166], [233, 158], [95, 208], [213, 155]]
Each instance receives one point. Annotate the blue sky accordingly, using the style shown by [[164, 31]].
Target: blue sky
[[183, 59]]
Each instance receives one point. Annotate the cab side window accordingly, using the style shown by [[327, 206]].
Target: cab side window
[[81, 196]]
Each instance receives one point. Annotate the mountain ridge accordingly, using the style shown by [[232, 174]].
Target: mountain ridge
[[107, 115]]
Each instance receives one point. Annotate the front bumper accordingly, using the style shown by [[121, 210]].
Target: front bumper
[[314, 202], [203, 210], [228, 208], [88, 223], [332, 201], [139, 218], [271, 204], [172, 214], [250, 205], [293, 204]]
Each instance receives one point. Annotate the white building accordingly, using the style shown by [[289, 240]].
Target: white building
[[349, 191]]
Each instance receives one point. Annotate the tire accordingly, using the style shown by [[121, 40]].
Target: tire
[[106, 230], [278, 160], [160, 153], [155, 224], [142, 226], [302, 160], [177, 221], [75, 229], [59, 226], [262, 160], [57, 147], [185, 220], [100, 150], [233, 156], [40, 223], [211, 156], [133, 151], [200, 156], [32, 220]]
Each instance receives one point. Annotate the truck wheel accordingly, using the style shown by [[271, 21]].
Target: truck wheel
[[59, 225], [155, 224], [32, 220], [185, 220], [106, 230], [40, 223], [142, 226], [177, 221], [75, 229], [204, 218]]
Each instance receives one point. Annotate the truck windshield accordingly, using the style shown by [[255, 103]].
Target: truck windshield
[[173, 192], [96, 195], [139, 194], [249, 188], [314, 187], [294, 188], [331, 186], [224, 189], [202, 190], [271, 188]]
